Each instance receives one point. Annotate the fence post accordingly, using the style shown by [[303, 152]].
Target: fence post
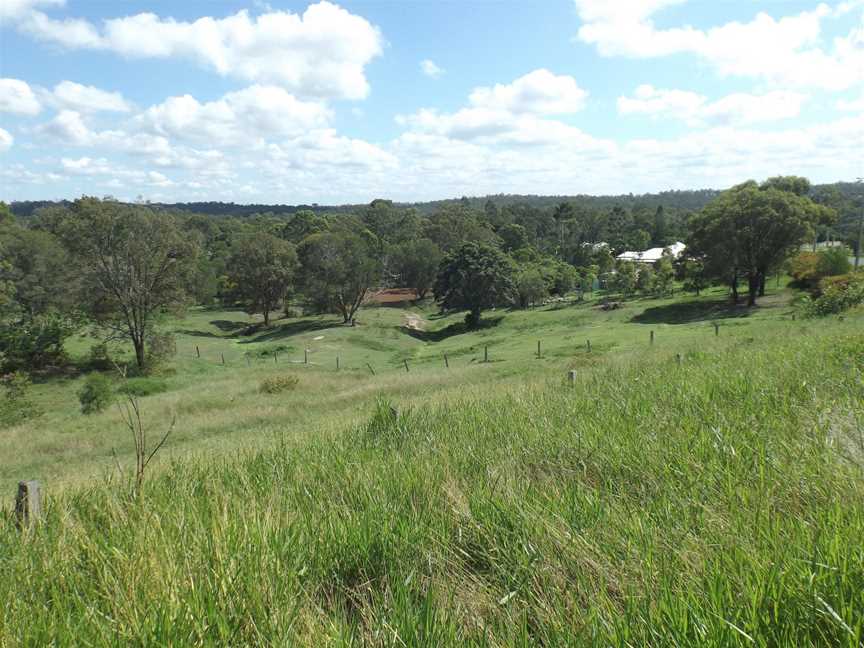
[[337, 363], [406, 365], [538, 349], [572, 376], [678, 359], [223, 358], [652, 337], [485, 354], [446, 364], [28, 503], [716, 329], [197, 351], [370, 368], [248, 364], [305, 356], [275, 357], [589, 346]]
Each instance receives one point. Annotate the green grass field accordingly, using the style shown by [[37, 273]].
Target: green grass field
[[719, 501]]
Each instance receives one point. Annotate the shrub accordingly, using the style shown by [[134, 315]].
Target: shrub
[[96, 394], [837, 295], [35, 342], [834, 261], [808, 269], [100, 359], [278, 384], [143, 386], [161, 347], [15, 406]]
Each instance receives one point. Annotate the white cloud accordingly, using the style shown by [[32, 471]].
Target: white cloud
[[12, 10], [18, 98], [237, 117], [851, 105], [430, 69], [697, 110], [321, 53], [789, 50], [67, 127], [539, 92], [89, 98], [6, 140]]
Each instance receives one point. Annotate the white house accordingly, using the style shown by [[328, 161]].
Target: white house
[[653, 255]]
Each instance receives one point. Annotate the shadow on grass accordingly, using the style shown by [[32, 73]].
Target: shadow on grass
[[457, 328], [695, 310], [229, 326], [292, 328], [194, 333]]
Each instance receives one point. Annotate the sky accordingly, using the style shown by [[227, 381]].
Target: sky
[[332, 103]]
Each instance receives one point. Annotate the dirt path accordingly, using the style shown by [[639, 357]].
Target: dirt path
[[414, 322]]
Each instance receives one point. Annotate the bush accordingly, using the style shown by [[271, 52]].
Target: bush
[[837, 295], [96, 394], [143, 386], [15, 406], [834, 261], [35, 342], [808, 269], [161, 347], [100, 359], [278, 384]]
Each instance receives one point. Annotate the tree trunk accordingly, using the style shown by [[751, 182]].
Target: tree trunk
[[140, 357], [752, 288], [473, 319], [762, 284], [734, 285], [266, 314]]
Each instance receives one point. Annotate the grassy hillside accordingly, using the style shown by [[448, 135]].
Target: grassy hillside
[[219, 408], [719, 502]]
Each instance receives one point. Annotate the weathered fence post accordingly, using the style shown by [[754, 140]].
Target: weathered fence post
[[485, 354], [716, 329], [305, 356], [28, 503], [572, 376], [652, 337], [197, 351], [370, 368], [275, 357], [223, 358], [248, 364], [678, 359], [406, 365], [446, 364], [337, 363], [589, 346], [538, 349]]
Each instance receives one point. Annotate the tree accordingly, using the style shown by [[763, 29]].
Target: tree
[[664, 274], [645, 279], [338, 269], [750, 230], [473, 277], [133, 262], [625, 278], [261, 269], [530, 286], [695, 279], [416, 263]]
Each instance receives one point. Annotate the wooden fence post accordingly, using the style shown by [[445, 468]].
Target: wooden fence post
[[248, 364], [678, 359], [485, 354], [337, 363], [28, 503], [275, 357], [197, 351], [572, 376], [406, 365], [305, 356], [538, 349], [589, 346], [446, 364], [716, 329], [370, 368], [223, 358], [652, 337]]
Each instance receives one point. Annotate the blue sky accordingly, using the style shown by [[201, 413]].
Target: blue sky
[[345, 102]]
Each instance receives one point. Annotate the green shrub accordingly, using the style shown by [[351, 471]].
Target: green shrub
[[161, 347], [96, 394], [143, 386], [278, 384], [837, 294], [100, 359], [15, 406], [33, 343]]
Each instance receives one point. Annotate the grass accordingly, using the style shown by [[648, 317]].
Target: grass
[[719, 502]]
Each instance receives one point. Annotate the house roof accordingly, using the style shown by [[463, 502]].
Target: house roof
[[654, 254]]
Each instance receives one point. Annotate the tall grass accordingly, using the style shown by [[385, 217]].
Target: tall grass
[[720, 502]]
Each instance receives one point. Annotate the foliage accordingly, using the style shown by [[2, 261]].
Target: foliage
[[474, 277], [261, 270], [624, 279], [142, 386], [750, 230], [338, 269], [530, 286], [695, 279], [645, 279], [133, 263], [161, 348], [15, 404], [278, 384], [96, 394], [808, 269], [416, 264], [837, 295], [834, 261], [664, 274], [34, 343]]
